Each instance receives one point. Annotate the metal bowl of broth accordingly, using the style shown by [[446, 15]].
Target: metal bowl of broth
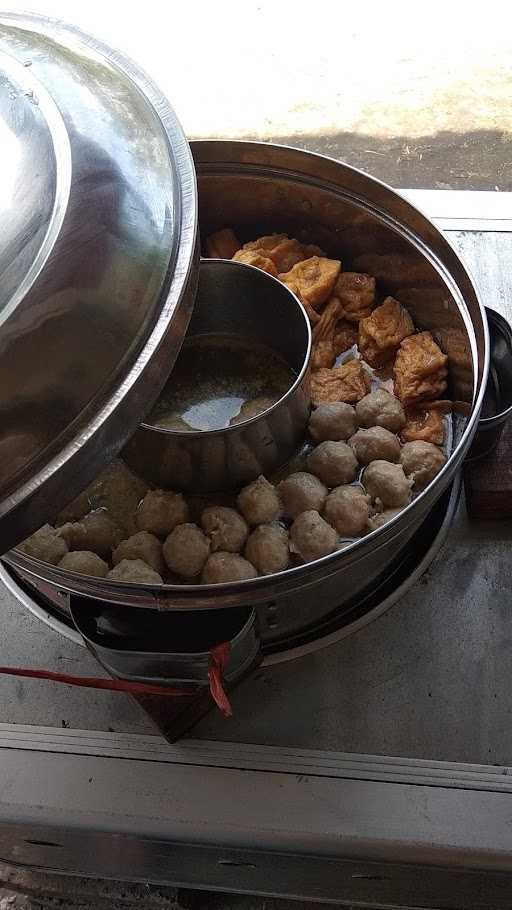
[[237, 402]]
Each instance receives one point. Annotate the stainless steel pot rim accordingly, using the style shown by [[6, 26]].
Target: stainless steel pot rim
[[196, 434], [505, 330]]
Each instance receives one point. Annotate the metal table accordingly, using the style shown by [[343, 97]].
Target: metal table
[[301, 794]]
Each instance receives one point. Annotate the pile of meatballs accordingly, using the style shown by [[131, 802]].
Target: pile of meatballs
[[357, 477]]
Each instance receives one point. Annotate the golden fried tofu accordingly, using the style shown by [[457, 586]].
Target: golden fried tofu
[[345, 336], [426, 425], [356, 293], [313, 279], [381, 333], [285, 252], [324, 353], [349, 382], [222, 245], [420, 369], [252, 257]]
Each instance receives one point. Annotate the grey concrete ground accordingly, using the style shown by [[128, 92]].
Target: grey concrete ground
[[417, 96]]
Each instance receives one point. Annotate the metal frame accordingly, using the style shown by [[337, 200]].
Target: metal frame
[[366, 830]]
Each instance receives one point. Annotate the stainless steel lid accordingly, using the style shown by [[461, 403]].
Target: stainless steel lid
[[97, 260]]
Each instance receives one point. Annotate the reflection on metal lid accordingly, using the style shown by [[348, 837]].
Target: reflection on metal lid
[[97, 235]]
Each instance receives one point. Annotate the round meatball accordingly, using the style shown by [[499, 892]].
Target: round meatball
[[387, 484], [302, 492], [333, 463], [267, 549], [85, 562], [160, 512], [97, 532], [142, 545], [375, 444], [136, 571], [378, 521], [259, 502], [312, 537], [226, 529], [46, 544], [222, 567], [421, 462], [381, 409], [186, 550], [347, 509], [335, 421]]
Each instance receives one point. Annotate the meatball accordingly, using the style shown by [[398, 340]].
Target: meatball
[[381, 409], [97, 532], [259, 502], [347, 509], [85, 562], [267, 549], [142, 545], [387, 484], [117, 489], [46, 544], [302, 492], [333, 463], [312, 537], [335, 421], [160, 512], [378, 521], [226, 529], [136, 571], [375, 444], [421, 462], [222, 567], [186, 550]]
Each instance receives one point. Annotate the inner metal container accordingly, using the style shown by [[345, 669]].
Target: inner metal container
[[245, 304]]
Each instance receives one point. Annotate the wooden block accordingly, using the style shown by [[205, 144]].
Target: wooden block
[[488, 481]]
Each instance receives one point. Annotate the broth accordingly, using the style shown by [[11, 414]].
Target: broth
[[220, 380]]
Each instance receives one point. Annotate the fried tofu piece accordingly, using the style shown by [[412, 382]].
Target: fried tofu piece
[[349, 382], [222, 244], [357, 295], [313, 280], [345, 336], [324, 353], [426, 425], [381, 333], [283, 251], [420, 370], [253, 257]]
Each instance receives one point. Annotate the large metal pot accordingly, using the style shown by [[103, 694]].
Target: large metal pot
[[256, 188]]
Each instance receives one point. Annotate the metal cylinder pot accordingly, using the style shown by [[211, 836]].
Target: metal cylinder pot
[[256, 189], [241, 303]]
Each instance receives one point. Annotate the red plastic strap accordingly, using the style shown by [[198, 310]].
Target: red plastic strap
[[219, 656], [96, 682]]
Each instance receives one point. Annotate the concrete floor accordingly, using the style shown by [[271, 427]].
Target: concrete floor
[[416, 102]]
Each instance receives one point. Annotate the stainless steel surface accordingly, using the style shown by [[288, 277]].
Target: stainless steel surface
[[360, 829], [144, 648], [237, 300], [96, 260], [257, 188], [498, 396]]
